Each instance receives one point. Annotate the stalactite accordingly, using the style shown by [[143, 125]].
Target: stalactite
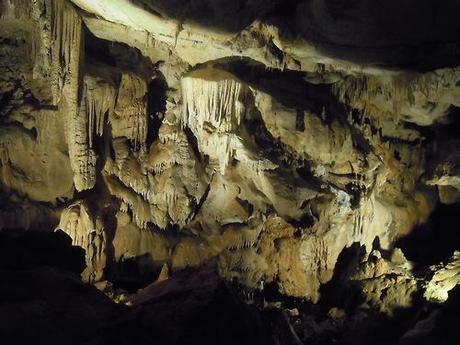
[[87, 232], [66, 42], [402, 96], [100, 99], [212, 96], [152, 184], [129, 172], [141, 209], [131, 108], [213, 101], [221, 146], [66, 46], [82, 156], [16, 9]]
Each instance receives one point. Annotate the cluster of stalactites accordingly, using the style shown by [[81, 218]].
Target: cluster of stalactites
[[131, 107], [82, 156], [100, 102], [217, 101], [154, 195], [129, 172], [125, 107], [66, 43], [66, 35], [213, 108], [426, 95], [53, 41], [170, 150], [16, 9]]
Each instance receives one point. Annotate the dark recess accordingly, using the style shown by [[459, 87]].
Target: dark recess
[[156, 106], [436, 240]]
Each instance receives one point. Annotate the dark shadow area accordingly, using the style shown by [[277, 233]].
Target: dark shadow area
[[442, 135], [287, 87], [450, 127], [156, 106], [438, 327], [196, 307], [307, 220], [222, 15], [193, 142], [435, 240], [248, 324], [42, 300], [412, 34], [21, 250], [114, 54], [134, 273], [98, 50], [5, 100], [338, 291], [359, 323]]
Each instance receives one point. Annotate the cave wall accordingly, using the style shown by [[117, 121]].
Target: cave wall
[[163, 139]]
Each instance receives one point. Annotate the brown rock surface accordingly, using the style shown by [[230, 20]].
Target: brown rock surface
[[263, 140]]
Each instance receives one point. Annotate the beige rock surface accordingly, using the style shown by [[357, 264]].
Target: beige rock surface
[[262, 153]]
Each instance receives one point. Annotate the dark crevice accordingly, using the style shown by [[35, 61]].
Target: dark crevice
[[98, 50], [132, 274], [114, 54], [5, 99], [193, 142], [199, 205], [434, 241], [156, 106], [287, 87]]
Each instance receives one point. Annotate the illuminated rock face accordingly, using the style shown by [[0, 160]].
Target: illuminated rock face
[[87, 232], [153, 137], [445, 278]]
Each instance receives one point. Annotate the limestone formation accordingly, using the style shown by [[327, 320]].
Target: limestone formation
[[445, 278], [387, 284], [261, 140], [87, 232]]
